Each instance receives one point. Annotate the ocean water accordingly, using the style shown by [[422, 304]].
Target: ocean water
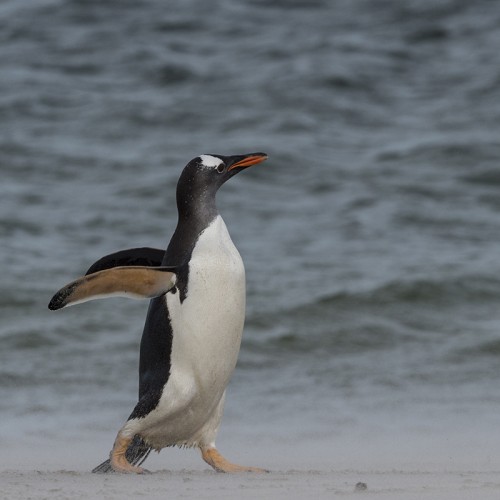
[[371, 236]]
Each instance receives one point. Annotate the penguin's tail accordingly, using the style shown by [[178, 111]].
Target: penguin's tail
[[136, 453]]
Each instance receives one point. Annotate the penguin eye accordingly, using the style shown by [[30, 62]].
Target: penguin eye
[[220, 168]]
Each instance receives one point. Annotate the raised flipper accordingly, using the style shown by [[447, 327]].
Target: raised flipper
[[145, 256], [136, 282]]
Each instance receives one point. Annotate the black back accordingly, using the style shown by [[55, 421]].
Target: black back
[[144, 256]]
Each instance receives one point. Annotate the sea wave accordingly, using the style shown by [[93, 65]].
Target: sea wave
[[392, 314]]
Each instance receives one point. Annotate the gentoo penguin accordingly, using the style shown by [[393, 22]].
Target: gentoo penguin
[[194, 324]]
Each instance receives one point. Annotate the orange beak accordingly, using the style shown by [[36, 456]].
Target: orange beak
[[249, 160]]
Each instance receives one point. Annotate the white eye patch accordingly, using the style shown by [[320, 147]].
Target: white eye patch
[[209, 161]]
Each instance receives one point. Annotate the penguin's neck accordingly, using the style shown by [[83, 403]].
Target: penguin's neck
[[196, 198], [196, 211], [197, 207]]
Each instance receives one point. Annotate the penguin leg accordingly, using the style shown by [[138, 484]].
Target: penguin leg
[[118, 460], [213, 458]]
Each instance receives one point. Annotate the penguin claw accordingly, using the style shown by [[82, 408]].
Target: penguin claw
[[118, 459], [213, 458], [124, 467]]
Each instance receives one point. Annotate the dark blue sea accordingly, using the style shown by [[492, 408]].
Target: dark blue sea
[[371, 236]]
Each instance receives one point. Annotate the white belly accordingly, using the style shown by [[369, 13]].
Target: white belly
[[207, 330]]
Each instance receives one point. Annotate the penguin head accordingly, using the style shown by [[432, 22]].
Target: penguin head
[[205, 174], [215, 170]]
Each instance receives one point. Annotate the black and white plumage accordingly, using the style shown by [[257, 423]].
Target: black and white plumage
[[193, 329]]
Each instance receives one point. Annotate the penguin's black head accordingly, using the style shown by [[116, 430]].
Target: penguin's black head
[[215, 170], [205, 174]]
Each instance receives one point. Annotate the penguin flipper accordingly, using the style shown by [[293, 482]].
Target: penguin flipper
[[144, 256], [136, 454], [137, 282]]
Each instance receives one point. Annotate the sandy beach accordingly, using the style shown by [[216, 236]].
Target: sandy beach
[[312, 470], [295, 484]]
